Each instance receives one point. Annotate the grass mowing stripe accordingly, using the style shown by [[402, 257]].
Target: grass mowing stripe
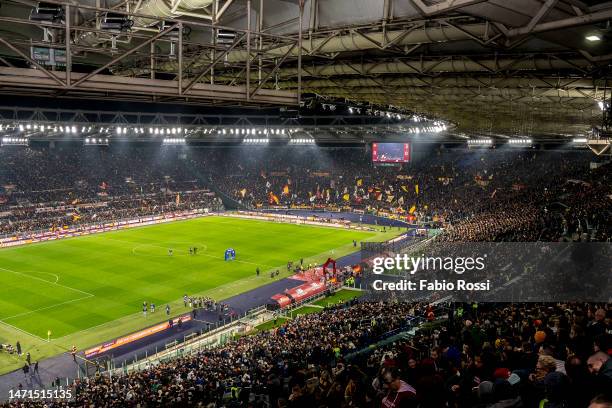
[[46, 281], [4, 319], [119, 280], [105, 266]]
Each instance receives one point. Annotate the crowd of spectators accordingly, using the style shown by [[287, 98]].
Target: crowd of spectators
[[464, 355], [485, 355], [42, 189], [482, 195]]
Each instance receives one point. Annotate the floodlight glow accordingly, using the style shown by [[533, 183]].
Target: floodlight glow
[[520, 142], [593, 37], [174, 141], [480, 142]]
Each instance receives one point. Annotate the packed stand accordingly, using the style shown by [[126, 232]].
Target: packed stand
[[43, 190], [484, 355], [481, 195]]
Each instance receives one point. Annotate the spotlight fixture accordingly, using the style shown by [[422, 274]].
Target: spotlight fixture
[[96, 141], [302, 141], [579, 140], [225, 37], [519, 142], [256, 140], [14, 141], [593, 37], [480, 142], [47, 12], [174, 141], [116, 23]]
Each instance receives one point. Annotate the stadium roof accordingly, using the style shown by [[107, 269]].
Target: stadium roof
[[497, 67]]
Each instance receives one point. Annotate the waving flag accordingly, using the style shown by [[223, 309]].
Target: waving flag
[[273, 198]]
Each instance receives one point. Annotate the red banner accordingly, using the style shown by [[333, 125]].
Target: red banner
[[306, 290]]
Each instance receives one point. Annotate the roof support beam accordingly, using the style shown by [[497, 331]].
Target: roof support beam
[[546, 7], [273, 71], [223, 9], [212, 64], [31, 61], [563, 23], [444, 6], [125, 54]]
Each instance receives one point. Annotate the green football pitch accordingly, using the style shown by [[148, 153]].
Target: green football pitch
[[89, 289]]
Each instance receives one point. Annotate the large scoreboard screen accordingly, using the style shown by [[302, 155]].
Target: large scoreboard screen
[[390, 152]]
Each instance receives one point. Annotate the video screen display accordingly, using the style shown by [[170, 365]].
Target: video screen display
[[390, 152]]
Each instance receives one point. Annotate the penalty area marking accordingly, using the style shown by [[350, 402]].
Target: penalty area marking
[[22, 331], [56, 276], [87, 296], [4, 319], [46, 281]]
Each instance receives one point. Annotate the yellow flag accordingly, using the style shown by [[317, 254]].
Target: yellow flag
[[412, 209], [416, 189], [346, 197], [359, 182], [273, 198]]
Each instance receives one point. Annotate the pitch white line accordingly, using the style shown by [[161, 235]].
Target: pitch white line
[[46, 281], [22, 331], [4, 319], [56, 276]]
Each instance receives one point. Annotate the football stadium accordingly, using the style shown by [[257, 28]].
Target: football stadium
[[305, 203]]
